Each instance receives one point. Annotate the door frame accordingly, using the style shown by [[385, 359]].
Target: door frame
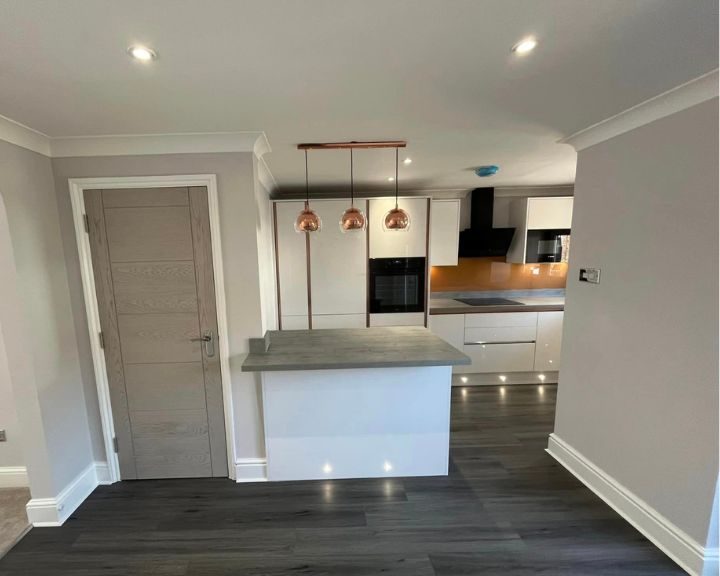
[[77, 187]]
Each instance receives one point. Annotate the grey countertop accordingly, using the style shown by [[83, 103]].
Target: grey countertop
[[381, 347], [530, 304]]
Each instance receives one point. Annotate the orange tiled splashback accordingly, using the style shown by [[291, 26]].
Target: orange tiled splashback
[[476, 274]]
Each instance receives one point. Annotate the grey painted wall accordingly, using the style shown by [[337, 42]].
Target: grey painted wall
[[239, 236], [35, 309], [11, 451], [638, 392]]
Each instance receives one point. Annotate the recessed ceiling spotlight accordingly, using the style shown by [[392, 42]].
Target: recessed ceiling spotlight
[[407, 161], [524, 46], [391, 179], [142, 53]]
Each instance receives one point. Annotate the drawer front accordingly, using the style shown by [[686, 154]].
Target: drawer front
[[496, 319], [500, 334], [321, 321], [295, 322], [399, 319], [500, 357]]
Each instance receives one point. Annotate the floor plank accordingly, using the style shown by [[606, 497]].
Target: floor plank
[[505, 508]]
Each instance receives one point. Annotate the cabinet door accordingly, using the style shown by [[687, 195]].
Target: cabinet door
[[398, 244], [550, 212], [549, 341], [444, 232], [449, 327], [292, 261], [488, 358], [321, 321], [338, 263]]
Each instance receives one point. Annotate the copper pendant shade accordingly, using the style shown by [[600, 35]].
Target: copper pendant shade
[[307, 220], [353, 219], [396, 219]]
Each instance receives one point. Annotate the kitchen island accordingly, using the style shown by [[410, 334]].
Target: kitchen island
[[355, 403]]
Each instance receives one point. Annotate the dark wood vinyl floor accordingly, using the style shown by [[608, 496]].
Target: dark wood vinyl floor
[[506, 508]]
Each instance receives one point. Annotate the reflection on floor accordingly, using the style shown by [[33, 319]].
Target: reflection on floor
[[13, 519], [506, 508]]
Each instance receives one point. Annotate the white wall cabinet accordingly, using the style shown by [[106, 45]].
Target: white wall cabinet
[[549, 213], [444, 232], [338, 263], [549, 341], [292, 263], [398, 244], [545, 213]]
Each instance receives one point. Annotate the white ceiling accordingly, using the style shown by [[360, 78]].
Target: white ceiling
[[438, 73]]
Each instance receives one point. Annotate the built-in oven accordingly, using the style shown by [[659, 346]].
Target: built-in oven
[[397, 285], [547, 245]]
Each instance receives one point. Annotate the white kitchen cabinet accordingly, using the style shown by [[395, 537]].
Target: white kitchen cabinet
[[294, 322], [292, 264], [444, 232], [449, 327], [320, 321], [398, 319], [549, 341], [500, 334], [338, 263], [487, 358], [544, 213], [411, 243], [549, 213], [501, 319]]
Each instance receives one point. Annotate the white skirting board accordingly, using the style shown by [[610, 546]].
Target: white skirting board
[[673, 541], [54, 511], [251, 470], [13, 477]]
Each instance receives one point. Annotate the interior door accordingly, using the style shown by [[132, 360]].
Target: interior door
[[152, 263]]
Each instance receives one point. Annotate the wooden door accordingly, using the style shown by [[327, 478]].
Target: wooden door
[[152, 263]]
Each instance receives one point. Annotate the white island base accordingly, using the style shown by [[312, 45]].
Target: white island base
[[357, 423]]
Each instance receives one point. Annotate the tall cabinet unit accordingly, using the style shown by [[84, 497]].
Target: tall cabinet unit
[[292, 255], [444, 232], [338, 270], [411, 243]]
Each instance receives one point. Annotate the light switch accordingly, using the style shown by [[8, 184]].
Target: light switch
[[591, 275]]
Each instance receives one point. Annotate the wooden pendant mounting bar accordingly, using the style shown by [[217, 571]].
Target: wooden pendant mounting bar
[[353, 144]]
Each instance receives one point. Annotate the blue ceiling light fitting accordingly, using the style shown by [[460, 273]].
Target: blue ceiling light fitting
[[484, 171]]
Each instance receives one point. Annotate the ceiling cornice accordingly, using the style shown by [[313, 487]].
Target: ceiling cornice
[[13, 132], [144, 144], [674, 100], [24, 136]]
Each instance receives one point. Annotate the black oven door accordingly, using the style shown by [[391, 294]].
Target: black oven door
[[545, 245], [397, 285]]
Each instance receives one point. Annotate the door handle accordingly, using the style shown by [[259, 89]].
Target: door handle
[[208, 341]]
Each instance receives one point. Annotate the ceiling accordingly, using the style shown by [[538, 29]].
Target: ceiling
[[438, 73]]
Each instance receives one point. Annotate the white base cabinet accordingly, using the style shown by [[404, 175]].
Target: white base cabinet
[[549, 341], [509, 342]]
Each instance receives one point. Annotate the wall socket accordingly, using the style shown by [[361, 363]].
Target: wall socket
[[591, 275], [3, 437]]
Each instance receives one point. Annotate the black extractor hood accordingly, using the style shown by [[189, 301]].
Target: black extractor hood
[[481, 239]]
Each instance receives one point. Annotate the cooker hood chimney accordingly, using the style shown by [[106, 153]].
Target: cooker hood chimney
[[481, 239]]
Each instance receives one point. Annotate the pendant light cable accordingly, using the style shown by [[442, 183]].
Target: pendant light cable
[[396, 178], [352, 182], [307, 182]]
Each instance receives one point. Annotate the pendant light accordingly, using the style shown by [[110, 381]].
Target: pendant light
[[353, 219], [396, 219], [307, 220]]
